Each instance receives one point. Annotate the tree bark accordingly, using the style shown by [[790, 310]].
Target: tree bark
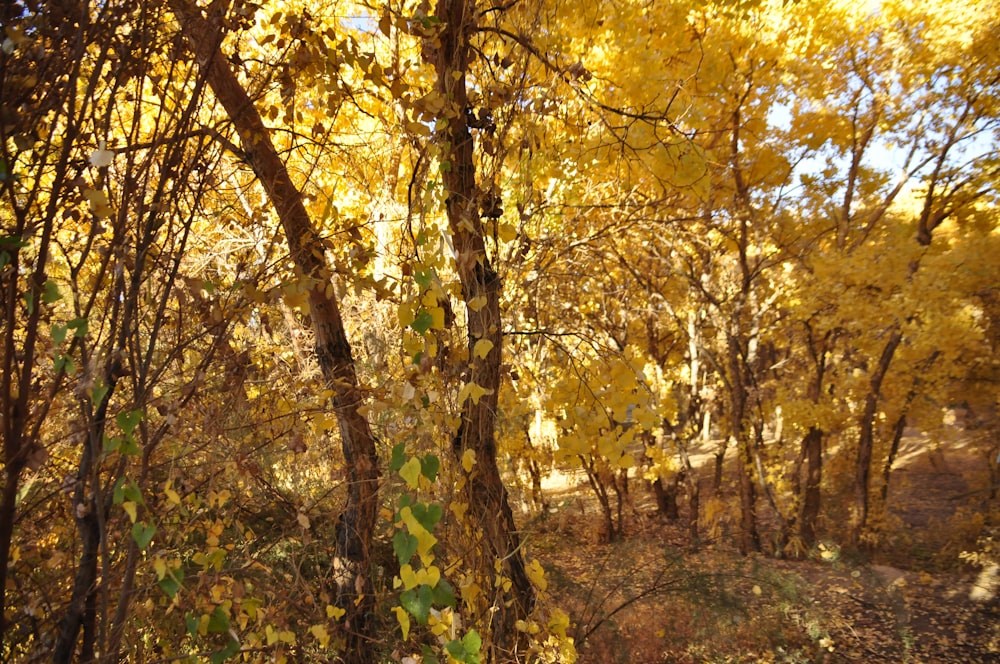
[[333, 350], [486, 493], [812, 450], [866, 440], [749, 538]]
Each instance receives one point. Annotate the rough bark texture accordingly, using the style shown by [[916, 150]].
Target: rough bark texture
[[487, 496], [333, 350]]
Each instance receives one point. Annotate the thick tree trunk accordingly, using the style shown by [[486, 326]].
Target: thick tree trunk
[[812, 450], [357, 523], [866, 440], [749, 538], [487, 496]]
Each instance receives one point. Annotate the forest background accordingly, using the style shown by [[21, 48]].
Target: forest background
[[308, 306]]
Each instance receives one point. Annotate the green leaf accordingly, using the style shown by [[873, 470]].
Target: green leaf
[[128, 420], [50, 292], [466, 650], [428, 655], [424, 277], [171, 584], [427, 515], [79, 327], [58, 334], [417, 601], [423, 321], [444, 594], [429, 466], [190, 623], [398, 457], [143, 533], [99, 392], [129, 447], [126, 489], [64, 363], [404, 545], [11, 242], [111, 444], [218, 623], [232, 648]]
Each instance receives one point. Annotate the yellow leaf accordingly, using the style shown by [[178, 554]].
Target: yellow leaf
[[430, 575], [470, 592], [425, 541], [537, 575], [296, 299], [411, 472], [404, 620], [482, 348], [472, 390], [477, 302], [458, 509], [160, 567], [334, 612], [468, 461], [406, 314], [559, 622], [407, 576], [418, 128], [507, 232], [437, 317], [129, 507], [319, 631], [99, 203], [172, 496], [288, 637]]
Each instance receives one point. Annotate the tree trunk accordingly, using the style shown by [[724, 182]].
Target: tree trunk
[[333, 351], [812, 450], [486, 494], [80, 612], [866, 440]]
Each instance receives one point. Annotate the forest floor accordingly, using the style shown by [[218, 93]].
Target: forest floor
[[651, 597]]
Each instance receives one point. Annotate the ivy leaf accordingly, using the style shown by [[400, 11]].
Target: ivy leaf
[[404, 620], [128, 420], [444, 594], [474, 391], [423, 321], [482, 348], [418, 601], [143, 533], [50, 292], [232, 648], [398, 457], [427, 515], [218, 623], [429, 466], [404, 545], [466, 650], [411, 472], [79, 327]]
